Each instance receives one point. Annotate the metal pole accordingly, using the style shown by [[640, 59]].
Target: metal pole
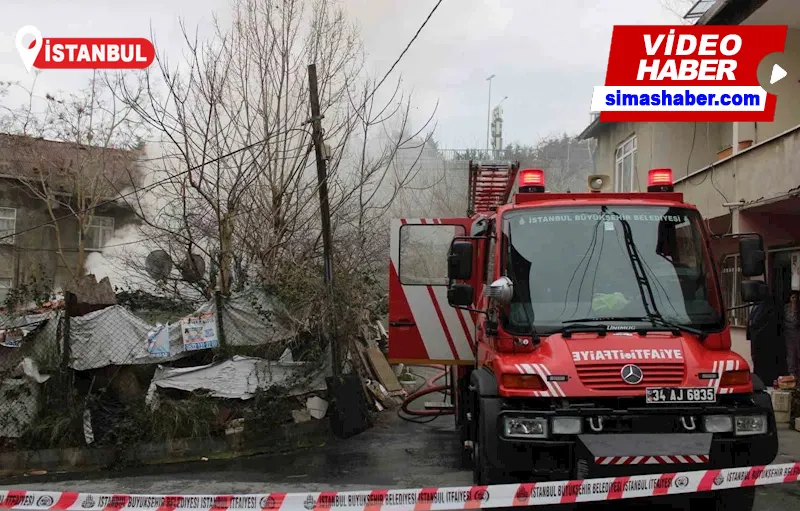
[[489, 112], [322, 179]]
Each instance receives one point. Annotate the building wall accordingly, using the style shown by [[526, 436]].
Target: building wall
[[759, 173], [34, 254], [682, 147]]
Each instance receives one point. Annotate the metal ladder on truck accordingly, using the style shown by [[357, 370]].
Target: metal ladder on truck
[[490, 185]]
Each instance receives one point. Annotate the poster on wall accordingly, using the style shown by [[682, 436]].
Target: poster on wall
[[158, 341], [199, 332], [796, 271]]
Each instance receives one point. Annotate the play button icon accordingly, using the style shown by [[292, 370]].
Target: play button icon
[[778, 74]]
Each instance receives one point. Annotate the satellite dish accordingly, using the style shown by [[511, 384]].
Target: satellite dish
[[193, 268], [158, 264]]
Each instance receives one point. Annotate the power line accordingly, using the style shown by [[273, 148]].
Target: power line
[[402, 54]]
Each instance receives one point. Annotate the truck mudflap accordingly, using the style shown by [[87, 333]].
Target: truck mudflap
[[604, 455]]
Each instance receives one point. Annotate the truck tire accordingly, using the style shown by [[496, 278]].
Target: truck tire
[[736, 499], [483, 472]]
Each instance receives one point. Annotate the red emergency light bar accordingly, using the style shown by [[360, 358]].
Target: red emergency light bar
[[531, 181], [660, 180]]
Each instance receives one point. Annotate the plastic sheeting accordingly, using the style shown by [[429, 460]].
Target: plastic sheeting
[[245, 326], [19, 398], [41, 343], [237, 378], [115, 336]]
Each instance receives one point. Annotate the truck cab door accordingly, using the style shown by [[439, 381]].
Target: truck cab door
[[423, 327]]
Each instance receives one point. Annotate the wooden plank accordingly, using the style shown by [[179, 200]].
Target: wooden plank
[[368, 371], [378, 395], [382, 330], [383, 370]]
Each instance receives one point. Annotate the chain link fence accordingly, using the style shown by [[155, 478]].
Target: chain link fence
[[138, 372]]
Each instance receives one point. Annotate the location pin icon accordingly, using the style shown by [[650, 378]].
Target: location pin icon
[[29, 54]]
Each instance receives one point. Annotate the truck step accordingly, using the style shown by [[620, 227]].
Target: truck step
[[433, 405]]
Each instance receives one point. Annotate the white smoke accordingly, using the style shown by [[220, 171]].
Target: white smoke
[[123, 257]]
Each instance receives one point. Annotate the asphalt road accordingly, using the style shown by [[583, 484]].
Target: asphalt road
[[393, 454]]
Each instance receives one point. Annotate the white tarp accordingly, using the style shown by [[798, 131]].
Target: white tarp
[[236, 378], [116, 336]]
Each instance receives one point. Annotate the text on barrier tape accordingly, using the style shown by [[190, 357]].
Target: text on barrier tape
[[421, 499]]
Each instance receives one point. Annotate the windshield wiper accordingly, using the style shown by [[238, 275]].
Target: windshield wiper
[[616, 318], [666, 326], [654, 316]]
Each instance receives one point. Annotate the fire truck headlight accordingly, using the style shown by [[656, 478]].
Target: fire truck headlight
[[718, 423], [751, 425], [525, 427], [567, 425]]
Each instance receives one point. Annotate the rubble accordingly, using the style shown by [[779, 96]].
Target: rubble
[[380, 385]]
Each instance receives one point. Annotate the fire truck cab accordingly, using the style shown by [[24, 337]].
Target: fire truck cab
[[586, 333]]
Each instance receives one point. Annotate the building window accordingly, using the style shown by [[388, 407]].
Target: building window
[[731, 283], [8, 225], [625, 168], [98, 232], [5, 287]]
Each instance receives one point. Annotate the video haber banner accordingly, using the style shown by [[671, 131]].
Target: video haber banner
[[689, 74]]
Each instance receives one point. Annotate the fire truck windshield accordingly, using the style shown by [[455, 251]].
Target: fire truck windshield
[[609, 262]]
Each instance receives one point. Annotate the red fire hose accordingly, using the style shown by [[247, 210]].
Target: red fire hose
[[429, 387]]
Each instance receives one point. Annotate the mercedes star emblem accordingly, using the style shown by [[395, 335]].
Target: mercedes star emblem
[[631, 374]]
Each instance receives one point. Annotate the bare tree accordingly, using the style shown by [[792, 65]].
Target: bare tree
[[567, 162], [71, 154], [237, 184]]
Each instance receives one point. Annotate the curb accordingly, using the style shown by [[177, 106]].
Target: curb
[[288, 437]]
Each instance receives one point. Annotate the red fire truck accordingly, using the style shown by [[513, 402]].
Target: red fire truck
[[585, 333]]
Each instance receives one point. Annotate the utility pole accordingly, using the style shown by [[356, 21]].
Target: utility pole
[[489, 111], [322, 179]]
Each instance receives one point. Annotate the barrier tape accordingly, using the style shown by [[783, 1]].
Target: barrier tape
[[420, 499]]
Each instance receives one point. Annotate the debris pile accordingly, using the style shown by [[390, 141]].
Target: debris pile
[[366, 356]]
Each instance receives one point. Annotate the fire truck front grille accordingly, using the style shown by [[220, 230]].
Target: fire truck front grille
[[608, 377]]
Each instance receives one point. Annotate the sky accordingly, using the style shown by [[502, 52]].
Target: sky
[[546, 55]]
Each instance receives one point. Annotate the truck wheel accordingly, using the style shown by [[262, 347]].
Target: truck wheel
[[736, 499], [483, 472]]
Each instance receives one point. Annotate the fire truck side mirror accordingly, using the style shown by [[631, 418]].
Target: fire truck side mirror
[[752, 257], [459, 261], [754, 291], [459, 295]]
